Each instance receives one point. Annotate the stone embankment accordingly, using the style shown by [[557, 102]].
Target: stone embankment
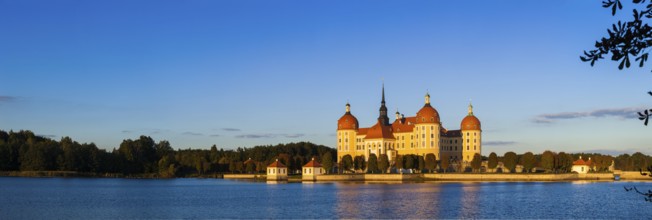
[[464, 177]]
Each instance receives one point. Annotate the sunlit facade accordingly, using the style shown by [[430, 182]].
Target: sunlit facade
[[420, 135]]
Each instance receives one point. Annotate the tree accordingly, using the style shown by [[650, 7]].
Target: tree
[[527, 160], [493, 161], [548, 160], [409, 161], [372, 164], [476, 163], [626, 40], [327, 161], [445, 163], [383, 163], [431, 162], [347, 162], [399, 163], [421, 163], [564, 162], [509, 161]]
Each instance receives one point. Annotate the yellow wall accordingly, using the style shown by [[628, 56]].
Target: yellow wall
[[471, 144]]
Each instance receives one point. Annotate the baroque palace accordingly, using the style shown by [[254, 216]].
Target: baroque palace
[[420, 135]]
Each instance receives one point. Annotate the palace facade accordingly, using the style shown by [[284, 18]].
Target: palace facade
[[420, 135]]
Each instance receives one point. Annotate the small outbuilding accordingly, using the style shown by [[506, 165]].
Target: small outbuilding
[[277, 171], [311, 170], [582, 166]]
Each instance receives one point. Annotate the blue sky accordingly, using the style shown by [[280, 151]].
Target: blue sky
[[245, 73]]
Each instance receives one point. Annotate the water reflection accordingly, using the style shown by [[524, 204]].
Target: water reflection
[[469, 200], [376, 200]]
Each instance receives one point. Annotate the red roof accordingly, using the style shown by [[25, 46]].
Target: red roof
[[312, 163], [427, 114], [380, 131], [347, 121], [470, 122], [363, 131], [581, 162], [276, 164], [401, 125]]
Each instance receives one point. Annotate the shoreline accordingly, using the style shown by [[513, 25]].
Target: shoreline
[[397, 178]]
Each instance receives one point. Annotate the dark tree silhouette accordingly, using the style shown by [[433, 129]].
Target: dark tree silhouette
[[626, 40]]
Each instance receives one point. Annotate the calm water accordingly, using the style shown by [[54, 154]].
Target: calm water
[[78, 198]]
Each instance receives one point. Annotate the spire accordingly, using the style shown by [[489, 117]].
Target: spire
[[383, 101], [427, 98], [348, 107], [470, 109], [382, 118]]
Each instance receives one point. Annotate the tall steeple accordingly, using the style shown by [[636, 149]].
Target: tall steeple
[[383, 119]]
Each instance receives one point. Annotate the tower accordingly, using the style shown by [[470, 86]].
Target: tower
[[382, 118], [471, 136]]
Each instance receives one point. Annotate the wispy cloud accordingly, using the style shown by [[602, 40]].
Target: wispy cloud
[[293, 135], [6, 99], [192, 133], [47, 135], [254, 136], [268, 135], [622, 113], [126, 132], [214, 135], [498, 143], [230, 129]]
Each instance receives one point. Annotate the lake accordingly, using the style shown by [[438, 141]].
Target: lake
[[104, 198]]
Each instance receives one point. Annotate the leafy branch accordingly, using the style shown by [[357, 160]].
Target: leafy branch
[[627, 42]]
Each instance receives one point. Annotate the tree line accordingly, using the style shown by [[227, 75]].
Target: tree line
[[548, 161], [25, 151]]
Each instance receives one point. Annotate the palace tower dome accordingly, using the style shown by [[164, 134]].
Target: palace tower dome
[[347, 121], [470, 122], [427, 114]]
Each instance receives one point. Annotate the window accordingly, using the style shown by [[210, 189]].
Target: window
[[467, 134], [339, 140], [467, 140], [467, 147], [432, 135], [474, 147], [423, 144], [432, 127], [432, 144], [423, 135]]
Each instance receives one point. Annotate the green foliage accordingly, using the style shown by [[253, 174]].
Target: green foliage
[[476, 162], [347, 163], [372, 164], [564, 162], [327, 161], [359, 163], [493, 161], [509, 161], [25, 151], [528, 161], [431, 162], [399, 162], [409, 161], [548, 160], [445, 163], [421, 163], [383, 163]]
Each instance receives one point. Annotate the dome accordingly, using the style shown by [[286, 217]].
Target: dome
[[470, 122], [427, 114], [347, 122]]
